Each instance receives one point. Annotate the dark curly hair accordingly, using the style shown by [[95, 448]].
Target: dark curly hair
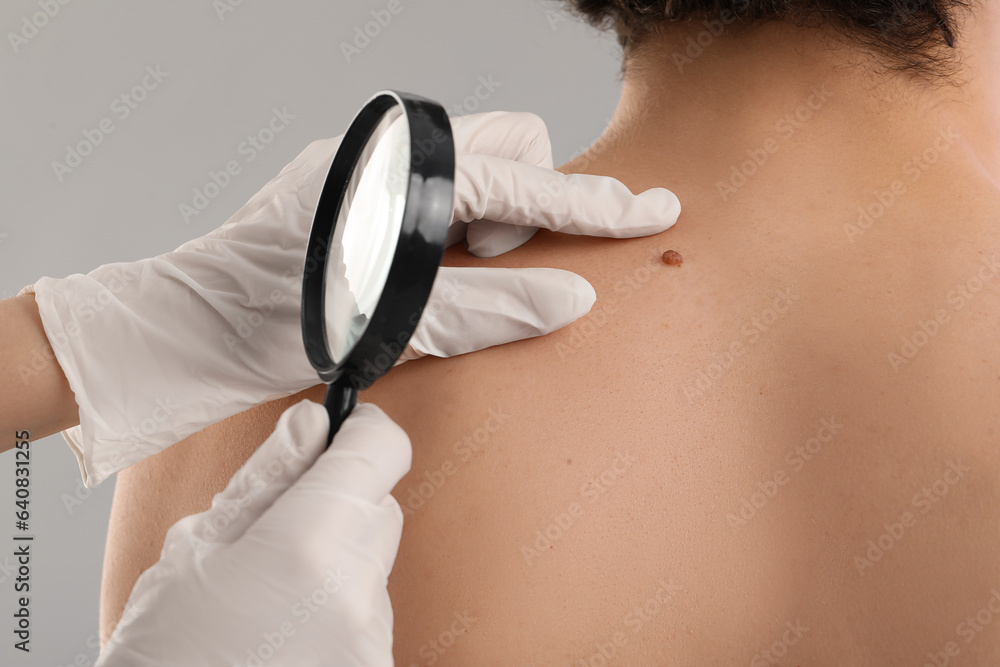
[[918, 36]]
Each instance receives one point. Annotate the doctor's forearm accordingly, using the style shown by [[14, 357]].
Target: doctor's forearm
[[34, 393]]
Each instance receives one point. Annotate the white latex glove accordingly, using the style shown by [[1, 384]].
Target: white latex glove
[[289, 566], [158, 349]]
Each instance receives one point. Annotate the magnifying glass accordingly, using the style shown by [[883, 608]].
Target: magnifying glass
[[376, 243]]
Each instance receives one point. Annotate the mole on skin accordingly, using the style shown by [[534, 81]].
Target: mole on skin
[[672, 258]]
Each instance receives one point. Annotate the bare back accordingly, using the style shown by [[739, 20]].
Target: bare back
[[785, 450]]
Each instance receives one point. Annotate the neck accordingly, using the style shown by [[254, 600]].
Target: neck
[[817, 110]]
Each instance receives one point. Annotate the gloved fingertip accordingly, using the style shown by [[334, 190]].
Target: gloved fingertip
[[551, 298], [391, 504], [584, 296], [456, 233], [576, 297], [306, 412], [487, 238], [369, 429], [662, 204], [305, 426]]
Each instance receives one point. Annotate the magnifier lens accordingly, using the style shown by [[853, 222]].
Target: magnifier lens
[[376, 243], [366, 233]]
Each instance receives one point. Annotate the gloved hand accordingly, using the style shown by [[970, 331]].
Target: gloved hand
[[158, 349], [289, 565]]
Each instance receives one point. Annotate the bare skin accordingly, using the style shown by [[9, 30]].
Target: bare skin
[[34, 393], [735, 455]]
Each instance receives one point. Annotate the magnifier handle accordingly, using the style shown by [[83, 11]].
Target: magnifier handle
[[340, 400]]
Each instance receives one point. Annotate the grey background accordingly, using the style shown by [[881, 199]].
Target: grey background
[[226, 72]]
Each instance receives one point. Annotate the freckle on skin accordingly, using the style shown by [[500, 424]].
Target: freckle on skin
[[672, 258]]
